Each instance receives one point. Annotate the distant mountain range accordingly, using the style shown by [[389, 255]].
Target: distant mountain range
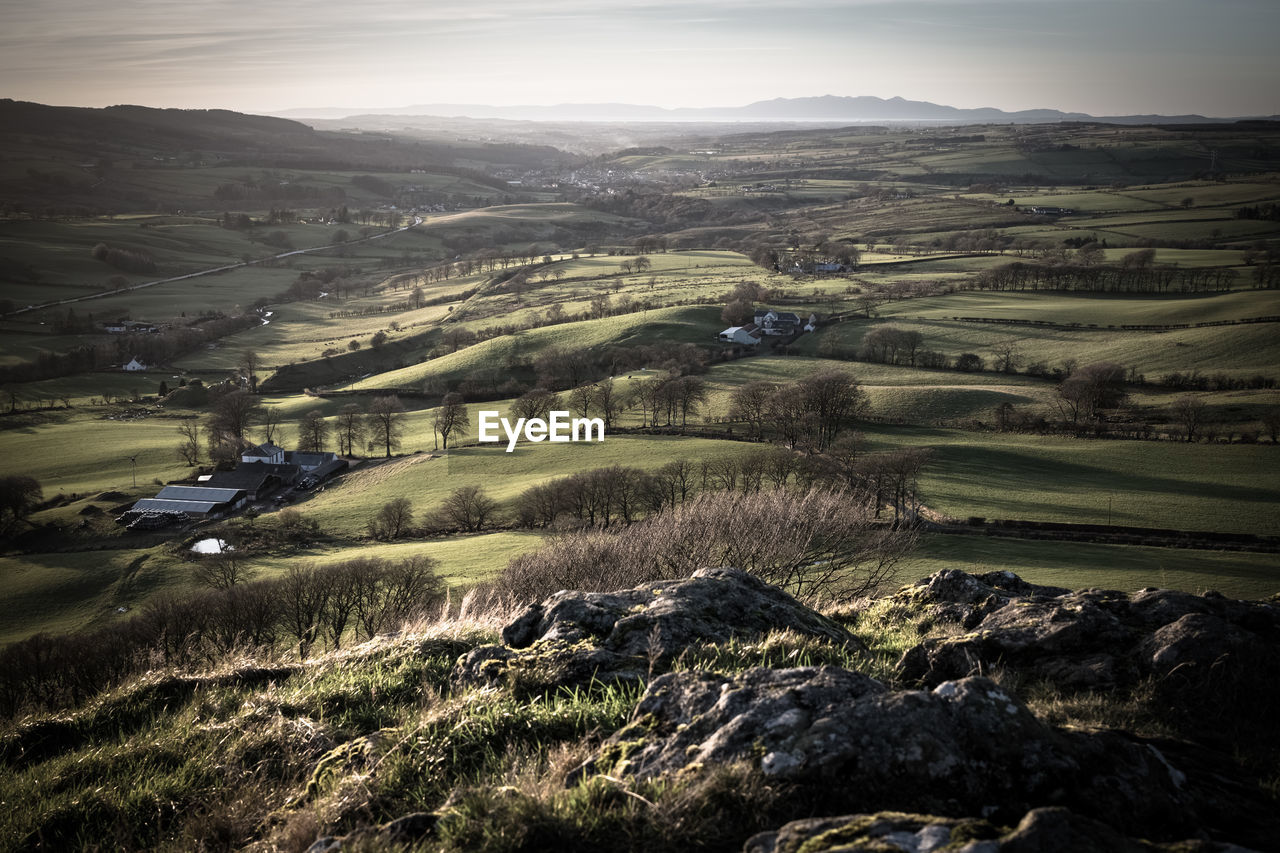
[[827, 108]]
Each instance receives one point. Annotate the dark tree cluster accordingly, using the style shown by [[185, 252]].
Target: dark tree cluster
[[314, 606]]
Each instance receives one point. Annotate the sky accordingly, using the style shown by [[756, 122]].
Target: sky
[[1103, 57]]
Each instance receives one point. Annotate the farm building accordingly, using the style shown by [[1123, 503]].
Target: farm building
[[195, 501], [748, 335], [268, 453], [134, 365], [316, 466], [256, 479], [777, 323]]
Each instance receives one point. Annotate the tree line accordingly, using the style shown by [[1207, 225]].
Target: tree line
[[307, 608]]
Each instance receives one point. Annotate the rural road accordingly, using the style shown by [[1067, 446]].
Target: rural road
[[417, 220]]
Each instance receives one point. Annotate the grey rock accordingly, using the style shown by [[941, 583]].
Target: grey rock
[[573, 638], [1043, 830], [955, 596], [1098, 639], [965, 747]]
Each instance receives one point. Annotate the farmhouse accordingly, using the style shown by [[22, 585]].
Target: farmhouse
[[748, 335], [267, 452], [777, 323], [134, 365]]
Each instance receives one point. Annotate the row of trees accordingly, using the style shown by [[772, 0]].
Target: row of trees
[[1136, 273], [467, 509], [807, 413], [618, 494], [306, 608], [234, 411]]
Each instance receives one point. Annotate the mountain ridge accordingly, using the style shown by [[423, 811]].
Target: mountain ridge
[[821, 108]]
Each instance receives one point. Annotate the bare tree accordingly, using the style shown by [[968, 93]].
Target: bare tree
[[814, 543], [223, 570], [451, 419], [19, 497], [385, 421], [393, 520], [313, 432], [230, 418], [270, 423], [1189, 412], [189, 447], [350, 429], [1008, 356], [469, 508], [247, 367], [537, 403], [750, 403]]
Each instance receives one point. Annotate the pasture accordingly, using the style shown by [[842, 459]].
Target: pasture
[[925, 206]]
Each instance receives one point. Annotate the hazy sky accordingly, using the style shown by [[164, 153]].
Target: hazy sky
[[1215, 57]]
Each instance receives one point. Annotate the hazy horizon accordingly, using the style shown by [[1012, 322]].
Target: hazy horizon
[[1101, 58]]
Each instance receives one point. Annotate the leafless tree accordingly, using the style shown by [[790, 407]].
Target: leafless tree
[[222, 570], [189, 446], [451, 419], [393, 520], [750, 403], [385, 422], [469, 508], [313, 432], [350, 429], [270, 423], [537, 403], [814, 543], [1189, 412]]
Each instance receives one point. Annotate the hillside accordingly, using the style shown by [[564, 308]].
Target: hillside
[[714, 712]]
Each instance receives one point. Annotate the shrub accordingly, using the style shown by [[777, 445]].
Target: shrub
[[815, 543]]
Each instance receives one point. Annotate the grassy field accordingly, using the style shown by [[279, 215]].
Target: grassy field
[[1246, 351], [1229, 488], [1090, 309], [426, 479], [675, 325], [1074, 565], [873, 187]]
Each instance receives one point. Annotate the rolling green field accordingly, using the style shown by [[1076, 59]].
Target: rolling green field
[[927, 208], [1230, 488], [1075, 565]]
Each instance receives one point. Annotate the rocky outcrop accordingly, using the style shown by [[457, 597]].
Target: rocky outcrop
[[574, 638], [966, 747], [1045, 830], [963, 762], [1196, 650], [955, 596]]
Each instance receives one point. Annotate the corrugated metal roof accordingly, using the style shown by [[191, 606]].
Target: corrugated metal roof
[[198, 493], [156, 504]]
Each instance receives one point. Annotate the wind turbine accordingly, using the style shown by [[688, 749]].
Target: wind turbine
[[134, 460]]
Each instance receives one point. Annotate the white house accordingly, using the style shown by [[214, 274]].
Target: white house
[[268, 453], [134, 365]]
